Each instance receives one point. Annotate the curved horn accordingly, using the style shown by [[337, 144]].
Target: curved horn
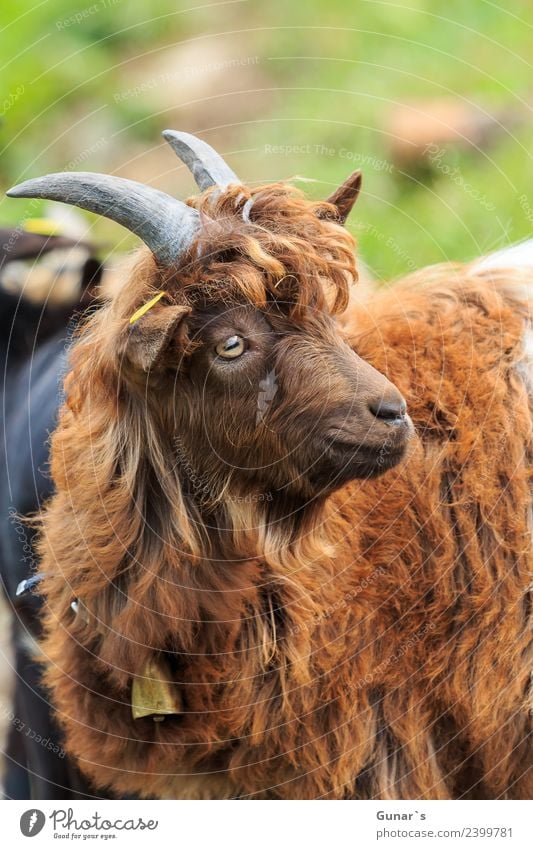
[[205, 164], [166, 225]]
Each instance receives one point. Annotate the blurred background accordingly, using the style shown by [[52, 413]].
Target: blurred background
[[432, 99]]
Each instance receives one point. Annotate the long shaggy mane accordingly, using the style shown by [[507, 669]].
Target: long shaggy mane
[[350, 657]]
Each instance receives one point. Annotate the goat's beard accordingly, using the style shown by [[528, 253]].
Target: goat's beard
[[280, 530], [237, 513], [238, 516]]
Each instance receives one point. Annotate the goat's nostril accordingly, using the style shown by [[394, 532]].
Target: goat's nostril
[[388, 410]]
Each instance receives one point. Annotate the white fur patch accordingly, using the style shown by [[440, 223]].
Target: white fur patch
[[525, 366], [518, 256], [515, 256]]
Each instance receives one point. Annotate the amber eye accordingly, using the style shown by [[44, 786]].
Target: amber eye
[[231, 348]]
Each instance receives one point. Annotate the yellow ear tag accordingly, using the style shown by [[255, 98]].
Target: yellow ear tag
[[42, 226], [145, 307]]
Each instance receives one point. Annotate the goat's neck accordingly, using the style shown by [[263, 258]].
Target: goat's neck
[[279, 532]]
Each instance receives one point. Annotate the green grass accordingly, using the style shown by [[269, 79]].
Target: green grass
[[329, 73]]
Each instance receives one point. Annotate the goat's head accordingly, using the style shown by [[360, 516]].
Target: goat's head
[[248, 375]]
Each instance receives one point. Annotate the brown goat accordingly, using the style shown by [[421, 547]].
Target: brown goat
[[328, 631]]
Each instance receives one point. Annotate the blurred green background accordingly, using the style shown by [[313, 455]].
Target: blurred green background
[[433, 100]]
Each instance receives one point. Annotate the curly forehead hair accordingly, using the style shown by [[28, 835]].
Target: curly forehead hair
[[267, 243]]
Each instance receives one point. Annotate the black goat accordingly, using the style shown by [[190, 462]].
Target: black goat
[[33, 345]]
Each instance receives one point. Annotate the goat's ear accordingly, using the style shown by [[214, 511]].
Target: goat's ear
[[345, 196], [150, 335]]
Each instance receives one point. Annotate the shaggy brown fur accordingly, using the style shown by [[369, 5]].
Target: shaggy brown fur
[[329, 638]]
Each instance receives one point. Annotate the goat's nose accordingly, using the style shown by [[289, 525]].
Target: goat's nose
[[389, 410]]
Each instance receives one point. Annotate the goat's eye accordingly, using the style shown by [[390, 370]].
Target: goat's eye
[[231, 348]]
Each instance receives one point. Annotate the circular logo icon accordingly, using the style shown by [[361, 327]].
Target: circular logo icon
[[32, 822]]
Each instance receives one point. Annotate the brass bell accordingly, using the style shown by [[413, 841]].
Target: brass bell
[[153, 694]]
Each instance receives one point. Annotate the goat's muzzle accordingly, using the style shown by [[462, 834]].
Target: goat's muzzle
[[364, 436]]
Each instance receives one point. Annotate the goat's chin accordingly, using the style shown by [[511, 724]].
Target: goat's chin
[[363, 464]]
